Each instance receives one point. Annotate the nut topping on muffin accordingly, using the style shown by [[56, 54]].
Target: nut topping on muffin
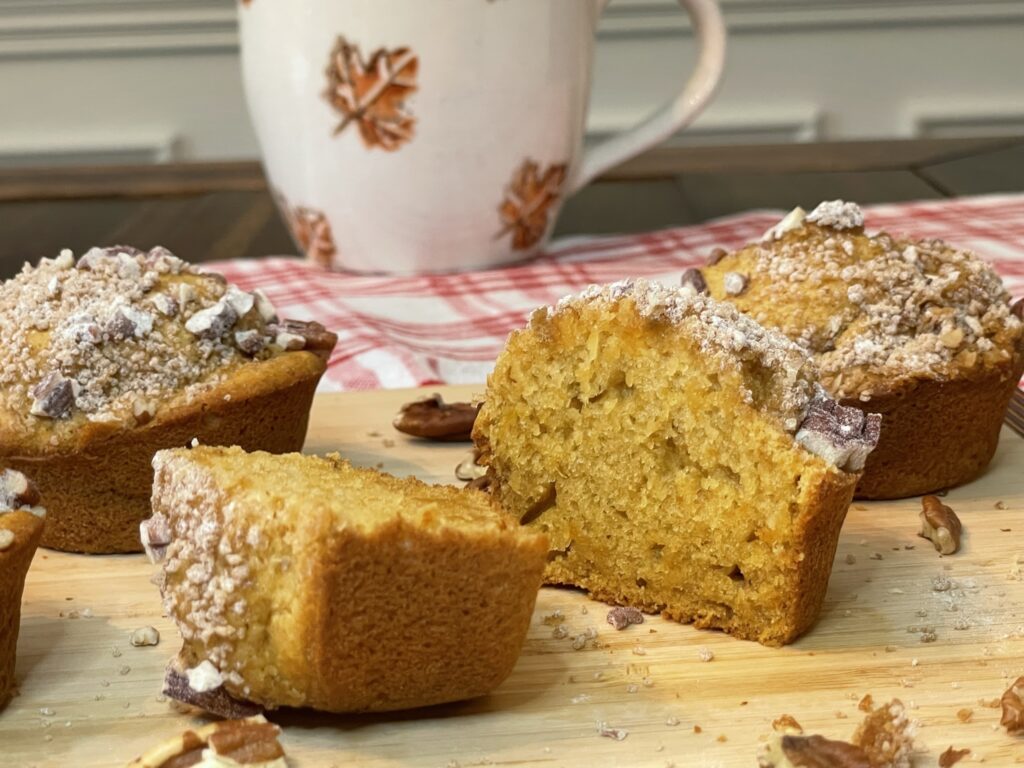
[[93, 337], [845, 436], [837, 214], [17, 492], [54, 396], [250, 743]]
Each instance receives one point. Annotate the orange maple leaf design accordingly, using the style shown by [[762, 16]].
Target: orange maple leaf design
[[528, 199], [312, 232], [372, 93]]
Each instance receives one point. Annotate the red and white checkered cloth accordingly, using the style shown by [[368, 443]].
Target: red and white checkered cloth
[[447, 329]]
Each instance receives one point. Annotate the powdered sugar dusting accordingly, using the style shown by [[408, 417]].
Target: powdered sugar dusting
[[837, 214]]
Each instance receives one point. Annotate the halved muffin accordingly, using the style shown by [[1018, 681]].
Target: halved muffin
[[680, 457]]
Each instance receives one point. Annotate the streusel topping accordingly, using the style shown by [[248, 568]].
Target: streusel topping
[[111, 336], [883, 307]]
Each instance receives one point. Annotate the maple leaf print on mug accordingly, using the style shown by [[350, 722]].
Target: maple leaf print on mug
[[313, 232], [372, 93], [528, 199]]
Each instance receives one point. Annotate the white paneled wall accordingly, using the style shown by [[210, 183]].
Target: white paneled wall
[[140, 80]]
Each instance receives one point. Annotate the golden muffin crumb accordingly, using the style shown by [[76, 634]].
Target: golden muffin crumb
[[667, 445]]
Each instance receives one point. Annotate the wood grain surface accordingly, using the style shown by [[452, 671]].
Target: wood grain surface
[[90, 699]]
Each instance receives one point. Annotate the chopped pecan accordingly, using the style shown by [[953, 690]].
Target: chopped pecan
[[716, 255], [91, 257], [795, 751], [624, 616], [247, 743], [144, 636], [694, 278], [212, 322], [239, 300], [127, 322], [17, 491], [264, 307], [815, 751], [468, 469], [940, 524], [54, 396], [1012, 703], [840, 434], [480, 484], [165, 304], [1017, 308], [156, 536], [435, 419], [298, 334], [952, 756], [143, 409], [787, 724], [251, 342], [216, 701], [886, 735], [250, 741], [734, 283]]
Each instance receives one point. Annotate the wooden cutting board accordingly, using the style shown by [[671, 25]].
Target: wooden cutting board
[[90, 699]]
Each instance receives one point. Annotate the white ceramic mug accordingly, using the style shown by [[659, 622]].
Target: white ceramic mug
[[436, 135]]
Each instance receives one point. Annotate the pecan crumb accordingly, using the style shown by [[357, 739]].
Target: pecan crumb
[[603, 729], [940, 524], [964, 715], [624, 616], [693, 278], [866, 704], [144, 636], [716, 255], [787, 724], [952, 756], [434, 419], [1012, 703]]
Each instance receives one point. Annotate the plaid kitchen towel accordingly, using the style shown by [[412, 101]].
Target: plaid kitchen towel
[[447, 329]]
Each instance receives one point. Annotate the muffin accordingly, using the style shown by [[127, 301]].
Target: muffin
[[21, 527], [304, 582], [106, 360], [916, 330], [680, 457]]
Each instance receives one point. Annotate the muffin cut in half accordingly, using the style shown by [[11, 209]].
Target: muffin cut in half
[[107, 359], [304, 582], [680, 457], [916, 330], [21, 528]]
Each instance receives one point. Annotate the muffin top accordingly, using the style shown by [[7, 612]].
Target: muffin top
[[778, 375], [117, 334], [872, 310]]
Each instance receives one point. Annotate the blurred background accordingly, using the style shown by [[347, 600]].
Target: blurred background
[[110, 83], [99, 81]]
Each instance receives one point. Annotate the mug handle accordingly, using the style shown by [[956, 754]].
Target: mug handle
[[709, 29]]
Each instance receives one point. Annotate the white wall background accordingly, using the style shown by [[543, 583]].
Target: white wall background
[[157, 80]]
